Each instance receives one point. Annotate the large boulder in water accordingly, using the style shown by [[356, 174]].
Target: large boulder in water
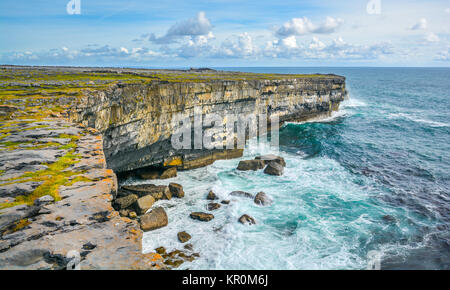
[[169, 173], [155, 219], [271, 157], [213, 206], [251, 165], [274, 168], [183, 237], [176, 190], [241, 194], [144, 203], [262, 199], [246, 219], [202, 216], [211, 195]]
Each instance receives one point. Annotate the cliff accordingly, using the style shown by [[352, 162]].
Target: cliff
[[62, 128], [136, 119]]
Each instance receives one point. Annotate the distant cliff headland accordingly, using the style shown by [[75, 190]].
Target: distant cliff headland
[[66, 132]]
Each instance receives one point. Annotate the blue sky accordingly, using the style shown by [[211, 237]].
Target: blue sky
[[177, 33]]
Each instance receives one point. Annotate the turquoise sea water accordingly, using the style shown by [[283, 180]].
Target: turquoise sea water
[[386, 152]]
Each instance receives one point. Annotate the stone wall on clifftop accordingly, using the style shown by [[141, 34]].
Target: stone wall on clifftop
[[136, 118]]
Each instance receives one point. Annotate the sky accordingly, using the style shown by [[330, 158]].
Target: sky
[[221, 33]]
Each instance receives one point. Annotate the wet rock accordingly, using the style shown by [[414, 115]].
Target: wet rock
[[262, 199], [144, 203], [125, 202], [201, 216], [271, 157], [211, 196], [250, 165], [225, 202], [189, 247], [169, 173], [241, 194], [44, 200], [176, 190], [161, 250], [155, 219], [183, 237], [274, 168], [213, 206], [246, 219]]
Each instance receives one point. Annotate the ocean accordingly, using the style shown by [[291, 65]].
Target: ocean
[[372, 178]]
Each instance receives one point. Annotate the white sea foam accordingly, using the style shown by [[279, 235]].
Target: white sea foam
[[417, 119], [318, 214]]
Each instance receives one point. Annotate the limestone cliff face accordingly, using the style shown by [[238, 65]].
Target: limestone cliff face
[[136, 119]]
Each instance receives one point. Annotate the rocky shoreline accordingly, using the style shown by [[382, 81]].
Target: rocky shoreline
[[60, 205]]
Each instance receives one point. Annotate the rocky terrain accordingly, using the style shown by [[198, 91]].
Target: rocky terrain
[[66, 132]]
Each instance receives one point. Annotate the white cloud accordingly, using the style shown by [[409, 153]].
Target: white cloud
[[336, 49], [431, 37], [302, 26], [199, 25], [196, 46], [316, 44], [420, 25], [237, 46], [290, 42]]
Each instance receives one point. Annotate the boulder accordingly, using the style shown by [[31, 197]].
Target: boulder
[[167, 194], [271, 157], [202, 216], [213, 206], [274, 168], [44, 200], [157, 191], [225, 202], [241, 194], [183, 237], [155, 219], [144, 203], [124, 212], [246, 219], [262, 199], [126, 201], [169, 173], [211, 196], [161, 250], [176, 190], [251, 165]]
